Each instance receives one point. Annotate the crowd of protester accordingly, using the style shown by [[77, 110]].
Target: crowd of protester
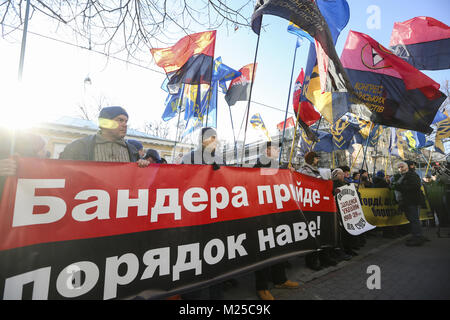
[[109, 144]]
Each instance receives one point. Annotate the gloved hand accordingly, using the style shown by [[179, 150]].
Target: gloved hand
[[215, 166]]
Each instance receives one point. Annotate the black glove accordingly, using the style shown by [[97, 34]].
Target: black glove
[[215, 166]]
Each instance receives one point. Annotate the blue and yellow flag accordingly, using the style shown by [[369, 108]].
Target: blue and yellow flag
[[299, 32], [367, 128], [258, 123], [443, 131], [324, 143], [343, 131], [397, 143]]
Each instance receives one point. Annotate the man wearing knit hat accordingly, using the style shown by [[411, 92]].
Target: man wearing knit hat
[[108, 144]]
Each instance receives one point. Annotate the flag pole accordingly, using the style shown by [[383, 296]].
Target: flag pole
[[354, 161], [176, 135], [234, 135], [429, 161], [209, 93], [365, 152], [295, 135], [375, 161], [250, 98], [287, 103]]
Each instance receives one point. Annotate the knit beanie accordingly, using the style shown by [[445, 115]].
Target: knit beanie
[[112, 112], [152, 153], [137, 144]]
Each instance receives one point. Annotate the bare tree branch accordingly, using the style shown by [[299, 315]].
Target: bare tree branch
[[129, 26]]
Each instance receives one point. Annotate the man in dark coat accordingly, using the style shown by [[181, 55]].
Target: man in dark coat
[[379, 180], [108, 144], [408, 186], [276, 272], [206, 150]]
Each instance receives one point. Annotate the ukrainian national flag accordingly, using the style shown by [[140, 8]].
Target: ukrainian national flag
[[258, 123], [299, 32], [423, 42], [189, 61], [397, 94]]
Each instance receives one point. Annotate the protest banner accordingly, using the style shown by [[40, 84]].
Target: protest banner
[[351, 211], [381, 209], [96, 230]]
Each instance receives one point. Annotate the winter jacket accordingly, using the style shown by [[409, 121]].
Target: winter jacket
[[83, 150], [409, 187], [309, 170]]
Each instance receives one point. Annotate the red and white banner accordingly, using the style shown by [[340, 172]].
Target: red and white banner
[[92, 230]]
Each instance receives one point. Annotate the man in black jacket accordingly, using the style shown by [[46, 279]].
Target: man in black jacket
[[108, 144], [410, 196], [276, 272]]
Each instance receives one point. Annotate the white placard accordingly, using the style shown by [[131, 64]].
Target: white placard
[[351, 211]]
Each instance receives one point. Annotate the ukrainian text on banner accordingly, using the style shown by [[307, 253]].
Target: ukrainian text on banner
[[351, 211], [92, 230], [381, 209]]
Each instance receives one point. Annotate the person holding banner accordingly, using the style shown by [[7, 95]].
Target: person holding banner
[[348, 242], [205, 154], [276, 273], [108, 144], [25, 145], [206, 150], [315, 260], [409, 192]]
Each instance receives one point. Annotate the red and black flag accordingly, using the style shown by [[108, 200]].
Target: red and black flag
[[423, 42], [239, 89], [190, 60], [397, 94]]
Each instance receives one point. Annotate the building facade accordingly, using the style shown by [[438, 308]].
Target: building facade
[[63, 131]]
